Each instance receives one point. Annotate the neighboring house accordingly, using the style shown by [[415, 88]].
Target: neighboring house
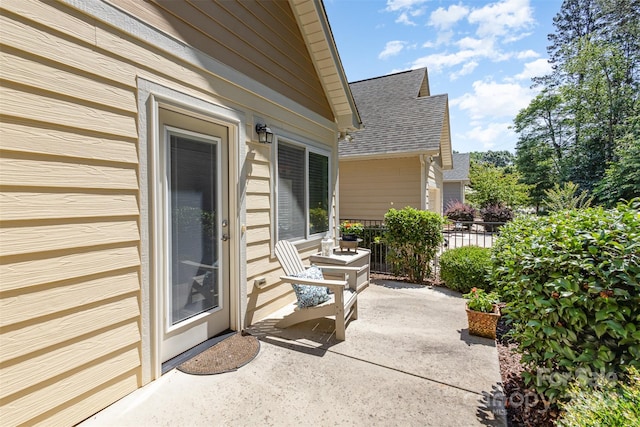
[[398, 158], [456, 179], [138, 205]]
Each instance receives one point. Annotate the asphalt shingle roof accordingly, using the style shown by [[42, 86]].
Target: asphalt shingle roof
[[395, 118], [460, 171]]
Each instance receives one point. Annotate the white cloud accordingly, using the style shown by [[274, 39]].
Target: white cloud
[[392, 48], [527, 54], [437, 61], [445, 18], [504, 18], [408, 9], [471, 51], [537, 68], [465, 70], [491, 99], [488, 135], [395, 5], [403, 18]]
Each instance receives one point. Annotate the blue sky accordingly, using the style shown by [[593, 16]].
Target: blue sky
[[481, 53]]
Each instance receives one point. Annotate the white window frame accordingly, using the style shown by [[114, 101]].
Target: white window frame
[[307, 149]]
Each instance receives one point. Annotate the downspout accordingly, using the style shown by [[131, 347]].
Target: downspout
[[425, 164]]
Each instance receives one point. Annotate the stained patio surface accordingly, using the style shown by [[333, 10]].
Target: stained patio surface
[[407, 361]]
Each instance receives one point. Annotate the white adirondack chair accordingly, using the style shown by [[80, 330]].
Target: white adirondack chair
[[343, 304]]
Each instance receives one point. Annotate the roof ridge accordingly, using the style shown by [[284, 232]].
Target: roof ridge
[[388, 75]]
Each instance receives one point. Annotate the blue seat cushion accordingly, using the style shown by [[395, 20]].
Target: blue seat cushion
[[309, 296]]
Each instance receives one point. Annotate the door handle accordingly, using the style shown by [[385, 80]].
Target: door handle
[[224, 237]]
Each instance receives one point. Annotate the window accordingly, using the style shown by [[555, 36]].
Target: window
[[303, 192]]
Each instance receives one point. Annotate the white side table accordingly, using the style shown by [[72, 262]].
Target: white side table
[[360, 259]]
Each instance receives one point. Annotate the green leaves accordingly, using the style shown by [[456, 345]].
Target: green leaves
[[413, 236], [466, 267], [492, 185], [571, 283]]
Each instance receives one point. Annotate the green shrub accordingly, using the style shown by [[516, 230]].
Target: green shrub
[[413, 236], [603, 404], [467, 267], [571, 282]]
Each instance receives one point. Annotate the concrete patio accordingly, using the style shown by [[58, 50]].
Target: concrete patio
[[408, 361]]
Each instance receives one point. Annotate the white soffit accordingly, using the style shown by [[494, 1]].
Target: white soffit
[[317, 34]]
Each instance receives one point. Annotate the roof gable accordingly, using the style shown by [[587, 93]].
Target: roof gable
[[460, 171], [399, 118]]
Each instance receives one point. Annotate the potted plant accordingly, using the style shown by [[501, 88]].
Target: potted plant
[[482, 313], [350, 231]]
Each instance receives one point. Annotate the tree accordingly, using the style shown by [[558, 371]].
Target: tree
[[622, 179], [566, 197], [542, 144], [601, 103], [500, 159], [588, 103], [491, 185], [537, 168]]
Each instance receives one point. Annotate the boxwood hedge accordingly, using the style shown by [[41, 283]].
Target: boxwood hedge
[[466, 267]]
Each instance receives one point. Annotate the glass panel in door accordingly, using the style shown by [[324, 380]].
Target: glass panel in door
[[194, 272]]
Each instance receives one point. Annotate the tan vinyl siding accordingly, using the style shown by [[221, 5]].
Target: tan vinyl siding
[[369, 188], [260, 39], [434, 185], [69, 235], [71, 207], [261, 302]]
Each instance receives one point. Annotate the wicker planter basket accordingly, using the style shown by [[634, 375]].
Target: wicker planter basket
[[483, 324]]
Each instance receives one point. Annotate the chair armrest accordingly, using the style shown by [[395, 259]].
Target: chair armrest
[[350, 273], [334, 285]]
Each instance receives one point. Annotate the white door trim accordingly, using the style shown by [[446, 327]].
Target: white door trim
[[153, 96]]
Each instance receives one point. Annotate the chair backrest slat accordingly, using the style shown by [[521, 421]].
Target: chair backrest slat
[[289, 258]]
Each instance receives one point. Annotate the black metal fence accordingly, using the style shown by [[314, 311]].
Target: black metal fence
[[456, 234]]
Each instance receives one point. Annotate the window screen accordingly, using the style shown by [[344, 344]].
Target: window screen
[[303, 192]]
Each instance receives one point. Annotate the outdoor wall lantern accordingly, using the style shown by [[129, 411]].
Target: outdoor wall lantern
[[265, 135], [344, 136]]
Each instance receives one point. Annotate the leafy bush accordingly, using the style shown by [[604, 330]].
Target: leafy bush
[[413, 237], [566, 197], [466, 267], [571, 282], [496, 213], [458, 211], [605, 404]]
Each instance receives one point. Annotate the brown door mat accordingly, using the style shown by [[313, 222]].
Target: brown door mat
[[227, 355]]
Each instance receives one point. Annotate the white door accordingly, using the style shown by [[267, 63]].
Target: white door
[[193, 257]]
